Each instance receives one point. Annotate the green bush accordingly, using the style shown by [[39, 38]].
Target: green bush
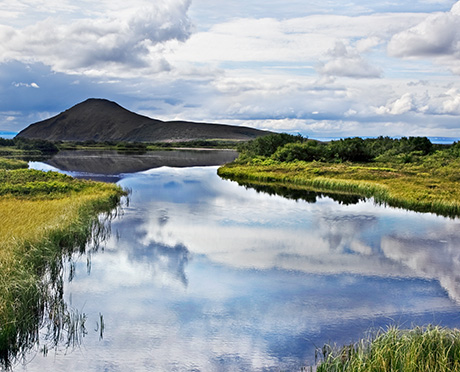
[[288, 148], [6, 142], [455, 149], [267, 145], [305, 151], [349, 149], [46, 147]]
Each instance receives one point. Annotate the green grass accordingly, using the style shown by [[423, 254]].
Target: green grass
[[429, 185], [44, 216], [12, 164], [127, 147], [14, 152], [421, 349]]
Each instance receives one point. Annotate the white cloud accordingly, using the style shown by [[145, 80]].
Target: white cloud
[[451, 105], [27, 85], [300, 39], [349, 63], [442, 103], [397, 107], [104, 45], [437, 36]]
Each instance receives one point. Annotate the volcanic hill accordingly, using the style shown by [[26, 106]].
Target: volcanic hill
[[102, 120]]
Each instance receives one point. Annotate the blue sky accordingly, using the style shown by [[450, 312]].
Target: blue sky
[[320, 68]]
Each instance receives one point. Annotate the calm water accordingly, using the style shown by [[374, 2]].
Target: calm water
[[201, 274]]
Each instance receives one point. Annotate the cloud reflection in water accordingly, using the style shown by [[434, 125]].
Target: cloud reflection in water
[[203, 274]]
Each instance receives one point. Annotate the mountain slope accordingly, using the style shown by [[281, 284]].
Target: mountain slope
[[103, 120]]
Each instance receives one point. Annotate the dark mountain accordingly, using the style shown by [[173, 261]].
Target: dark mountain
[[102, 120]]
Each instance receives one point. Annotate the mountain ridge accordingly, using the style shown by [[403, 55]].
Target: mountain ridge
[[102, 120]]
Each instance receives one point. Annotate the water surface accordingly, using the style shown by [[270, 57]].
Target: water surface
[[201, 274], [115, 163]]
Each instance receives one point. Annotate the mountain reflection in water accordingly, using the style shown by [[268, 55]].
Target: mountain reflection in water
[[203, 274], [116, 163]]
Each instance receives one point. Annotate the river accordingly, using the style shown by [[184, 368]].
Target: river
[[201, 274]]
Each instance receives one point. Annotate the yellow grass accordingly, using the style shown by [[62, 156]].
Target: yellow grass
[[421, 187], [36, 229]]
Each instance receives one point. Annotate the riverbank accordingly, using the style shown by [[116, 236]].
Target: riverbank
[[415, 181], [419, 189], [44, 216]]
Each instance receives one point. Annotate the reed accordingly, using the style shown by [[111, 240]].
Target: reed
[[43, 218], [426, 187], [420, 349]]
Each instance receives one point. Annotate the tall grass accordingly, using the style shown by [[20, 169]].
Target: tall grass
[[43, 218], [421, 349], [12, 164], [427, 187]]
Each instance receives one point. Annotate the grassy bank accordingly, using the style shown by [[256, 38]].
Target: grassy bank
[[420, 182], [433, 349], [415, 188], [44, 216]]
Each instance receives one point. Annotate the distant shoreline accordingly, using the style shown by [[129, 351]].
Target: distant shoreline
[[8, 135], [437, 140]]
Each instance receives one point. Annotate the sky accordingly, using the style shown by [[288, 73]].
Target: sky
[[324, 68]]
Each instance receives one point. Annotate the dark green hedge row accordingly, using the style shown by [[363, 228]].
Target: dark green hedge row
[[287, 148]]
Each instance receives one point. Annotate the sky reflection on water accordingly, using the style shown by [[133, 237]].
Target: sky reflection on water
[[203, 274]]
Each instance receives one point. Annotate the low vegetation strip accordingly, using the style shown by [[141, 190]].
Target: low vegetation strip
[[414, 192], [422, 180], [420, 349], [43, 217], [30, 183]]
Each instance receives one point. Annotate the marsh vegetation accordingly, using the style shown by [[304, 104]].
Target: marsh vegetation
[[419, 349], [44, 218], [410, 173]]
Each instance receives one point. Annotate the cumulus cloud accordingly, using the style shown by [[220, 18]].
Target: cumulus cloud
[[436, 104], [349, 63], [398, 107], [91, 45], [451, 105], [437, 36]]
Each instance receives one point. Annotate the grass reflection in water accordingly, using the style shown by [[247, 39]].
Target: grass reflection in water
[[45, 219]]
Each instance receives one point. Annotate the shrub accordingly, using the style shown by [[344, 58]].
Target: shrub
[[305, 151], [349, 149], [267, 145], [455, 149], [43, 146]]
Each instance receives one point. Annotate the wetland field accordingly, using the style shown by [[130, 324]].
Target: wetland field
[[199, 272]]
